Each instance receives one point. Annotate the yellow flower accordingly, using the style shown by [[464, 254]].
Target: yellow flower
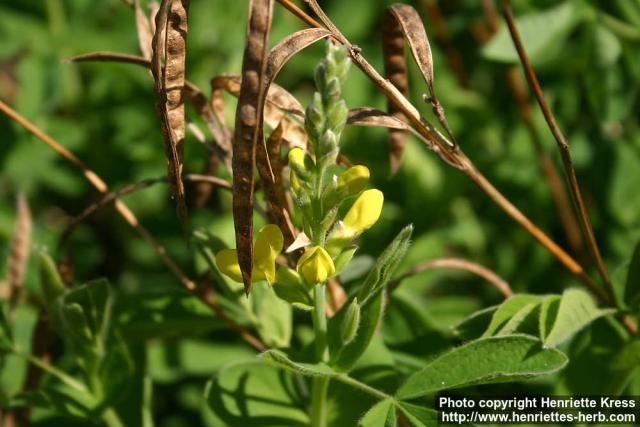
[[354, 179], [295, 184], [362, 215], [316, 265], [296, 157], [364, 212], [266, 249]]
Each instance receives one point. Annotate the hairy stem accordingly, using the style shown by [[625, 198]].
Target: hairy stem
[[320, 322], [320, 384], [319, 401], [363, 387]]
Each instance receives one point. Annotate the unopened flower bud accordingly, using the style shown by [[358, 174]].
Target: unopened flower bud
[[351, 322], [316, 265]]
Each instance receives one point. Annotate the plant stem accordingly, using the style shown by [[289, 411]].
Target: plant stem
[[459, 264], [319, 401], [320, 384], [52, 370], [362, 386], [320, 322], [111, 418]]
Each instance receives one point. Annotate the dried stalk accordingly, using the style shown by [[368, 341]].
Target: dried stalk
[[557, 188], [563, 146], [131, 219], [458, 264], [131, 188]]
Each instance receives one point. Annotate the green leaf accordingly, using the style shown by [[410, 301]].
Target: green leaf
[[281, 360], [475, 324], [50, 281], [116, 369], [541, 32], [484, 361], [577, 309], [606, 45], [624, 197], [6, 336], [170, 313], [274, 316], [83, 317], [385, 265], [632, 285], [509, 308], [418, 415], [256, 394], [50, 398], [518, 319], [290, 287], [548, 313], [382, 414], [344, 356]]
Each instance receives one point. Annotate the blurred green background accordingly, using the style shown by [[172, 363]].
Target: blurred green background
[[586, 55]]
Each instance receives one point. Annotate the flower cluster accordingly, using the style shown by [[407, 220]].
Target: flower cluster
[[319, 190]]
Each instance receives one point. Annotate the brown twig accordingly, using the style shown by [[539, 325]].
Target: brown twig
[[114, 195], [518, 88], [301, 14], [552, 176], [458, 264], [563, 146], [131, 219]]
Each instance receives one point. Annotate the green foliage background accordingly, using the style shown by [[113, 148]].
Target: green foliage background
[[585, 53]]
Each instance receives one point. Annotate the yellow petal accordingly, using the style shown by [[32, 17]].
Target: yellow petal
[[296, 157], [316, 265], [364, 212], [355, 179], [265, 251], [295, 184], [227, 262]]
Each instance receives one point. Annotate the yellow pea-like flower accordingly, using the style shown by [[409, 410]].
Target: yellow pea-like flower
[[227, 262], [316, 265], [355, 179], [266, 249], [364, 212], [295, 184], [296, 157]]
